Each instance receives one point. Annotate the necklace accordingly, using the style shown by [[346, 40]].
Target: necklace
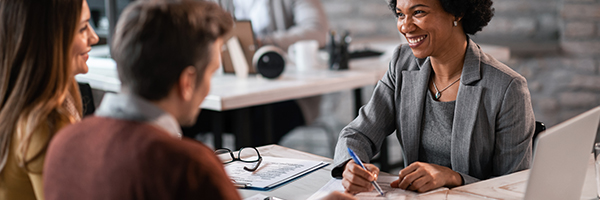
[[438, 93]]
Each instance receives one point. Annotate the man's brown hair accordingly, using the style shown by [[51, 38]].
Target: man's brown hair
[[156, 40]]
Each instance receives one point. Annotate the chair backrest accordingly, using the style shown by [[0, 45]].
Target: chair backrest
[[539, 127], [87, 99]]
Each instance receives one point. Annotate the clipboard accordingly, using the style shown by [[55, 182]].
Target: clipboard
[[242, 29]]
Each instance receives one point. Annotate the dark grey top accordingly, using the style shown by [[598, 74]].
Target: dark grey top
[[436, 132]]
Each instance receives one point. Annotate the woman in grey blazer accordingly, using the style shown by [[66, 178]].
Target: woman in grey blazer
[[459, 114]]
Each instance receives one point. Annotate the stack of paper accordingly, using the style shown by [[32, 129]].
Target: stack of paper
[[271, 172]]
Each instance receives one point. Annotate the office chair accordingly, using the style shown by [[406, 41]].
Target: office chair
[[87, 99], [539, 127]]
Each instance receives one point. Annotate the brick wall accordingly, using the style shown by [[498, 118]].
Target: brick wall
[[555, 44], [580, 26]]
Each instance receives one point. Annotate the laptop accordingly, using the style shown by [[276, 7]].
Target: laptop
[[561, 157]]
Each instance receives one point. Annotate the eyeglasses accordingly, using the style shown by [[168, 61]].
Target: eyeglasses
[[254, 157]]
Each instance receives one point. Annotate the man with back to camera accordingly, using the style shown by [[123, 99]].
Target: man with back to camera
[[166, 53], [132, 147]]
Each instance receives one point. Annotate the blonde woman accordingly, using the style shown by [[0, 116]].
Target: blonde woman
[[43, 44]]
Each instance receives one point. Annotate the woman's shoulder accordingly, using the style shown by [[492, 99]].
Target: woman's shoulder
[[494, 69]]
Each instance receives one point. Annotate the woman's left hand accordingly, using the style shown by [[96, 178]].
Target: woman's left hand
[[423, 177]]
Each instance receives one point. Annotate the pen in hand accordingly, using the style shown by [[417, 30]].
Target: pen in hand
[[357, 161]]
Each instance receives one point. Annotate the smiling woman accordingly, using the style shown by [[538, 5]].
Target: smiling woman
[[84, 38], [459, 114], [43, 44]]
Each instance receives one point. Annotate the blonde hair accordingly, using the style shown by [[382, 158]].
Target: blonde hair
[[35, 71]]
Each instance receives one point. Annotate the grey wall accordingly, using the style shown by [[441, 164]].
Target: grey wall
[[555, 44]]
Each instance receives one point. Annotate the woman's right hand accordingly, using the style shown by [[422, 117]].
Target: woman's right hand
[[356, 179]]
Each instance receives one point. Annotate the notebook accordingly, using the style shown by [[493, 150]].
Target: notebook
[[561, 156]]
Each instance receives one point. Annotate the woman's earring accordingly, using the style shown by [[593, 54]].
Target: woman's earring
[[455, 23]]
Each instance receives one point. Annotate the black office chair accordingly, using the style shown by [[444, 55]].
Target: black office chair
[[539, 127], [87, 99]]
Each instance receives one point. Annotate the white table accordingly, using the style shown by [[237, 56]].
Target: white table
[[228, 92], [510, 186], [300, 188]]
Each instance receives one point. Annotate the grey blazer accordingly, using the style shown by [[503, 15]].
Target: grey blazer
[[493, 118]]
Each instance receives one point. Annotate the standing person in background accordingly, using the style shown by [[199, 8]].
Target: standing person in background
[[280, 23], [284, 22], [43, 45], [460, 115]]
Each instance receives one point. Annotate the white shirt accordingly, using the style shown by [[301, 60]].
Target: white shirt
[[257, 11], [130, 107]]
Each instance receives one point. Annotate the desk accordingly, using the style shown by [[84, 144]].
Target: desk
[[228, 92], [300, 188], [511, 186]]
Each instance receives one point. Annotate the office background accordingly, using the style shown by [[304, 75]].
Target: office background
[[555, 44]]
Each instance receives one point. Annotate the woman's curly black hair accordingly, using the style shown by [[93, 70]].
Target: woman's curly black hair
[[475, 13]]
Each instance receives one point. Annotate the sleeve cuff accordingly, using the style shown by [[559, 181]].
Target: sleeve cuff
[[466, 179], [338, 170]]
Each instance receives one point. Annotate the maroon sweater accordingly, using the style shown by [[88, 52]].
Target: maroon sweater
[[105, 158]]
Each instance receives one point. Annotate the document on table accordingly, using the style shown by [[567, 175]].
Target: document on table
[[384, 182], [272, 171]]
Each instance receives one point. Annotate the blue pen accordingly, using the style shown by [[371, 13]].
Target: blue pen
[[357, 161]]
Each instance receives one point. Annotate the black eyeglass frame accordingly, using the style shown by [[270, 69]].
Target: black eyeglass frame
[[238, 158]]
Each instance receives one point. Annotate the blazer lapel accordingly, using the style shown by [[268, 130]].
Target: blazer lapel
[[465, 113], [414, 86]]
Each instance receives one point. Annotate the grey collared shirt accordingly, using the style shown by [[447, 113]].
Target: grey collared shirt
[[131, 107]]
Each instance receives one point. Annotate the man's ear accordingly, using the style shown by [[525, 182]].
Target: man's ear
[[187, 83]]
